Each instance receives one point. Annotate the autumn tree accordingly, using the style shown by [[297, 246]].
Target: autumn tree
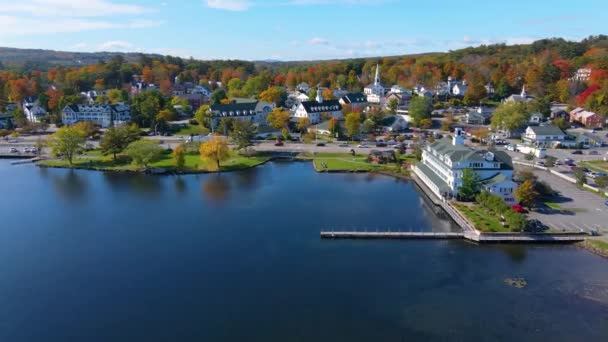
[[526, 193], [114, 141], [278, 118], [276, 95], [66, 142], [328, 94], [87, 128], [203, 116], [352, 123], [179, 156], [333, 126], [242, 133], [303, 124], [215, 150], [510, 116]]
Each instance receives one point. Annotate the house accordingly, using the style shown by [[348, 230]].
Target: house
[[523, 97], [544, 136], [480, 116], [32, 109], [490, 90], [138, 87], [314, 110], [397, 89], [103, 115], [444, 160], [451, 88], [587, 118], [381, 157], [253, 110], [355, 100], [536, 119], [92, 95], [402, 99], [376, 88], [339, 93], [395, 123], [582, 75], [195, 100], [303, 88], [6, 121]]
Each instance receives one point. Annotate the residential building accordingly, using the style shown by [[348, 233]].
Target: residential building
[[254, 111], [451, 88], [92, 95], [523, 97], [403, 99], [544, 136], [490, 90], [303, 88], [480, 116], [103, 115], [339, 93], [6, 121], [582, 75], [395, 123], [536, 119], [32, 109], [444, 161], [314, 110], [355, 100], [587, 118]]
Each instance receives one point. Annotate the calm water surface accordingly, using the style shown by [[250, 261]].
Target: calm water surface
[[87, 256]]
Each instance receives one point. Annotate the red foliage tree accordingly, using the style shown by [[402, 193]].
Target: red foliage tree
[[582, 98]]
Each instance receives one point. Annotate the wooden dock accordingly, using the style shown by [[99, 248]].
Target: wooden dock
[[389, 235]]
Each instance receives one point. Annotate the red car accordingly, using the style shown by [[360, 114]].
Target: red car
[[519, 208]]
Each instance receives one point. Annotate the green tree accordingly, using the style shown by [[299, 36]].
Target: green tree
[[217, 96], [562, 123], [510, 116], [420, 109], [526, 194], [179, 156], [215, 150], [242, 133], [117, 95], [581, 178], [601, 182], [114, 141], [143, 152], [203, 116], [146, 107], [66, 142], [516, 221], [352, 124], [392, 105], [470, 184]]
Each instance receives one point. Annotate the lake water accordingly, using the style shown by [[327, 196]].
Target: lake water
[[88, 256]]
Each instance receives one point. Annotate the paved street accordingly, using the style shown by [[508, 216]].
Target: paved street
[[579, 209]]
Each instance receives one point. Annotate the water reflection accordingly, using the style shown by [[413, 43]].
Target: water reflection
[[180, 185], [517, 254], [138, 184], [69, 184], [248, 179], [216, 188]]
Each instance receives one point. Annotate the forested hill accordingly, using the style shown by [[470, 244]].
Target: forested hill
[[36, 59]]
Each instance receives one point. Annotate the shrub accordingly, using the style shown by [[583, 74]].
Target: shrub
[[193, 122]]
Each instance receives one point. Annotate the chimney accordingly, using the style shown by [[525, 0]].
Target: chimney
[[458, 138]]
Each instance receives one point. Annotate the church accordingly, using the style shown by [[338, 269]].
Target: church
[[523, 97], [375, 92], [313, 110]]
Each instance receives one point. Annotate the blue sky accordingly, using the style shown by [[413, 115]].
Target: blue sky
[[290, 29]]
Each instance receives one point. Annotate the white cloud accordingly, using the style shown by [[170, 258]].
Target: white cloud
[[72, 8], [17, 26], [318, 41], [115, 45], [229, 5]]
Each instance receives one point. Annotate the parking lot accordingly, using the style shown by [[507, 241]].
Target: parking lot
[[574, 209]]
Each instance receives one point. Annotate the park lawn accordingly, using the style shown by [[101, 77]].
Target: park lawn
[[346, 162], [190, 130], [194, 163], [482, 219], [599, 244], [596, 165]]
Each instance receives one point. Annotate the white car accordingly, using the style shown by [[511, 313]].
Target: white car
[[13, 150], [362, 146]]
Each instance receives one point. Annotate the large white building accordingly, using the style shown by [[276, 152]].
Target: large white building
[[32, 109], [103, 115], [254, 111], [313, 110], [444, 161]]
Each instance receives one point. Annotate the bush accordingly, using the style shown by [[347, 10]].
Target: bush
[[193, 122]]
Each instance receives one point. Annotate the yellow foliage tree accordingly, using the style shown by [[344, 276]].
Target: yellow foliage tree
[[215, 150]]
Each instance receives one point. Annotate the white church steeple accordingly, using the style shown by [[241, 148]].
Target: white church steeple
[[377, 79], [523, 91]]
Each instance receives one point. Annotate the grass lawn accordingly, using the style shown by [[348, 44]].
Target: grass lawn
[[346, 162], [599, 244], [95, 161], [596, 165], [482, 219], [190, 129], [553, 205]]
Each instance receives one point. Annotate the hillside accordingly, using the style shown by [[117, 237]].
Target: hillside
[[29, 59]]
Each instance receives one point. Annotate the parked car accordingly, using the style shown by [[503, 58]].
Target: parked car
[[577, 152], [539, 163], [569, 161], [559, 162], [381, 144], [594, 153], [519, 209], [362, 146], [320, 144], [279, 143], [13, 150], [536, 226]]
